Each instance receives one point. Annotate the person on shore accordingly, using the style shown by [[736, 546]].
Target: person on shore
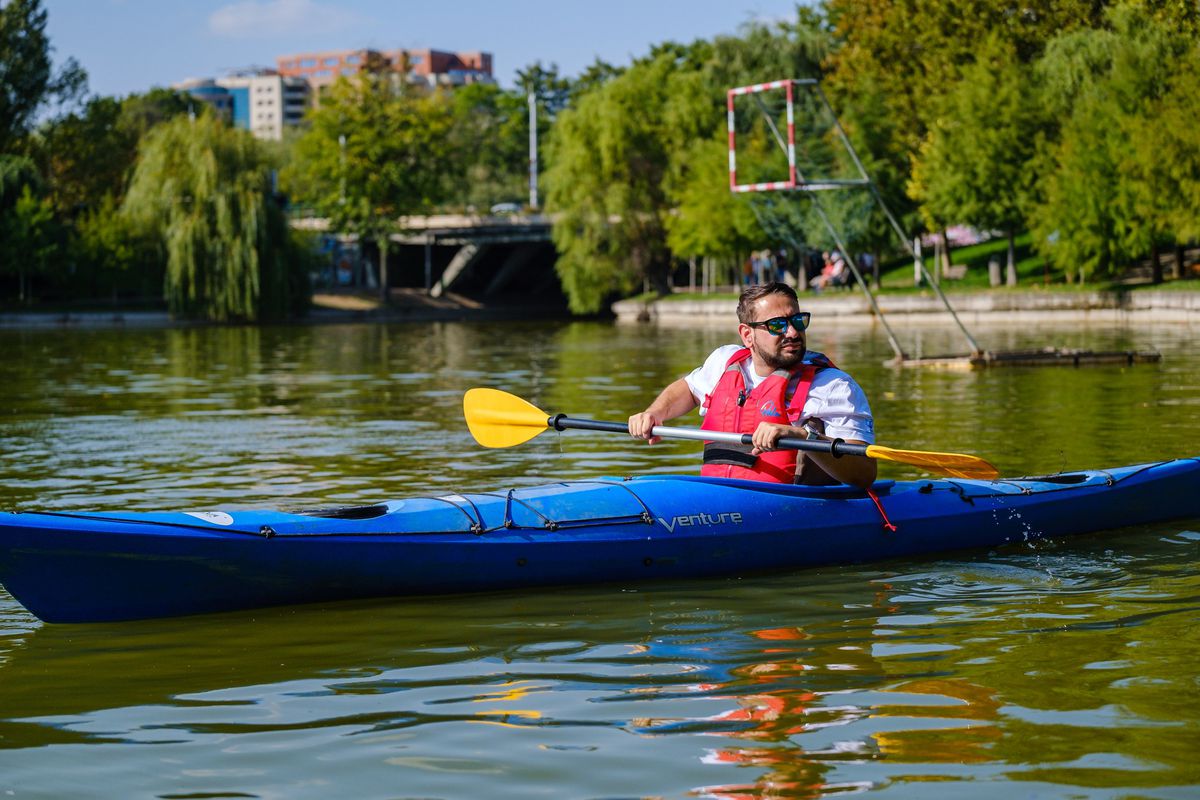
[[770, 386], [834, 273]]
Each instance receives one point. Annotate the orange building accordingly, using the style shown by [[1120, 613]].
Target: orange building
[[433, 67]]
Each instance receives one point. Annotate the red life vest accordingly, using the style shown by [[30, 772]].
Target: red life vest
[[730, 408]]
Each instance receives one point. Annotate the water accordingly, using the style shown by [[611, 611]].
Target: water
[[1065, 669]]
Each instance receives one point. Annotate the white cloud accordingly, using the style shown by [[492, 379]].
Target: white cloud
[[278, 17]]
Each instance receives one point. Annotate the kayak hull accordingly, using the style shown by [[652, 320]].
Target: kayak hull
[[120, 566]]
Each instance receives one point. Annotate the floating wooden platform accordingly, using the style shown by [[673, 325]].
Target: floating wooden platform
[[1046, 357]]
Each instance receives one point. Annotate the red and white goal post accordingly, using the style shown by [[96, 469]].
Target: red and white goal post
[[796, 181], [789, 88]]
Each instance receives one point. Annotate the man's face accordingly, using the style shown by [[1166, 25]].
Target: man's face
[[774, 352]]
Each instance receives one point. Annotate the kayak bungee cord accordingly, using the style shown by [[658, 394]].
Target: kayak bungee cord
[[474, 517], [968, 492], [1060, 482], [263, 532]]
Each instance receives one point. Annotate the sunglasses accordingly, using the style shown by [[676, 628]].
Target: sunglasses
[[777, 326]]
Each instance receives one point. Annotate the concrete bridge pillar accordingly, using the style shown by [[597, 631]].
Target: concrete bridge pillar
[[466, 257]]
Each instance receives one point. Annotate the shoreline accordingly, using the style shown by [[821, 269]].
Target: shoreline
[[327, 309], [972, 308], [1162, 305]]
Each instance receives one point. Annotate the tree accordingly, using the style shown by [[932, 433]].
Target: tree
[[709, 220], [898, 61], [372, 154], [26, 78], [1106, 195], [975, 167], [609, 158], [27, 225], [1168, 160], [490, 143], [90, 154], [112, 253], [204, 189], [598, 73]]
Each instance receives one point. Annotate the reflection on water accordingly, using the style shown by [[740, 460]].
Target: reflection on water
[[1062, 669]]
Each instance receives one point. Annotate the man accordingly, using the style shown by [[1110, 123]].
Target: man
[[770, 386]]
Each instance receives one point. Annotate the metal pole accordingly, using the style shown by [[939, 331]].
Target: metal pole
[[533, 157], [797, 175], [892, 219], [428, 263], [342, 167]]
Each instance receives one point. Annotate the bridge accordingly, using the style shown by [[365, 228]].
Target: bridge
[[491, 258]]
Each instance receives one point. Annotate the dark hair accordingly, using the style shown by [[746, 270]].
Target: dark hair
[[745, 306]]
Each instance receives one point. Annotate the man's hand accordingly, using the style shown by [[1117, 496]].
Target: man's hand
[[640, 426], [768, 434], [674, 401]]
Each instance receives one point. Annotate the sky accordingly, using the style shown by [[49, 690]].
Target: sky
[[130, 46]]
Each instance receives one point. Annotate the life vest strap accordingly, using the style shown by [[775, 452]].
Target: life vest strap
[[725, 453]]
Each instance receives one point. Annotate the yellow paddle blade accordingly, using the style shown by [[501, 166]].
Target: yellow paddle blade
[[956, 465], [500, 419]]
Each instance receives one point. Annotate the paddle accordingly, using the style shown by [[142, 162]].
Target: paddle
[[500, 419]]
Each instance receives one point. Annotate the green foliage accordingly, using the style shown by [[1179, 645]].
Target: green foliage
[[371, 154], [1075, 119], [640, 174], [898, 62], [26, 78], [30, 235], [114, 249], [708, 219], [1109, 196], [16, 173], [90, 154], [490, 141], [974, 166], [610, 159], [204, 190], [597, 74]]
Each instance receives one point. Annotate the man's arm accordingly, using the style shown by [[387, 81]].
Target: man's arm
[[674, 401], [857, 471]]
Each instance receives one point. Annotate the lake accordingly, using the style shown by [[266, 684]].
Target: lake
[[1063, 669]]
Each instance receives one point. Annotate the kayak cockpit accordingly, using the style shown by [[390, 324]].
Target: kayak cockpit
[[347, 512]]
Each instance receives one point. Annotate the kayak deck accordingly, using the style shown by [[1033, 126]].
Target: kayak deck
[[126, 565]]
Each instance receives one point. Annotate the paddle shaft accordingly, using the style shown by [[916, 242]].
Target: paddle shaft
[[835, 447]]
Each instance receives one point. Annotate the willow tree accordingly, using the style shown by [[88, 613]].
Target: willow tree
[[205, 190], [609, 158], [1121, 176]]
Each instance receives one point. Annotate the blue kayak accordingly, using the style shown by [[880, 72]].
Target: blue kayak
[[91, 567]]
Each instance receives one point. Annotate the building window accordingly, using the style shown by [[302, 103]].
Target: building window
[[352, 59], [331, 62], [308, 62], [349, 70], [414, 60], [322, 73]]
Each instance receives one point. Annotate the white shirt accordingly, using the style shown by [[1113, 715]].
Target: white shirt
[[834, 397]]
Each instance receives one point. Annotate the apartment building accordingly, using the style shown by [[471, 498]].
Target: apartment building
[[262, 101], [421, 66]]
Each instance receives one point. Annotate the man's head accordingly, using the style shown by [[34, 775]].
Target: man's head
[[772, 301]]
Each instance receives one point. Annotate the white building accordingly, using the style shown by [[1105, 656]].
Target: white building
[[265, 103]]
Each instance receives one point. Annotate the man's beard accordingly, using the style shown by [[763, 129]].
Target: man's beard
[[779, 360]]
